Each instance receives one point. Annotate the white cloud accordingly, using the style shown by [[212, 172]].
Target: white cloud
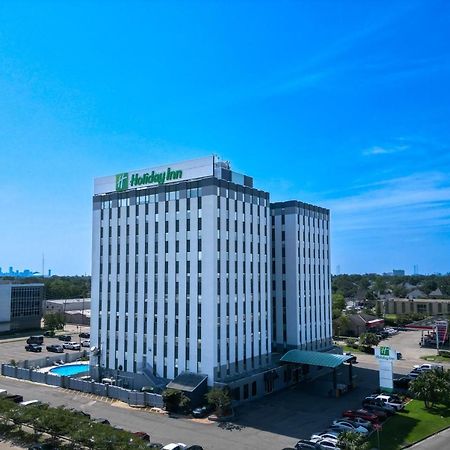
[[378, 150]]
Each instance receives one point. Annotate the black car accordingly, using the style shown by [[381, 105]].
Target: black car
[[33, 348], [352, 358], [194, 447], [304, 444], [49, 333], [85, 335], [15, 398], [65, 337], [203, 411], [402, 383], [55, 348]]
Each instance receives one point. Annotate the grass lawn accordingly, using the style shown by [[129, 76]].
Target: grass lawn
[[415, 422], [435, 358]]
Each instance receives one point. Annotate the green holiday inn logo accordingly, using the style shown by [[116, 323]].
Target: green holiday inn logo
[[124, 181], [384, 351]]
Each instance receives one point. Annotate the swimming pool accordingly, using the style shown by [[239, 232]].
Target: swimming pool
[[70, 369]]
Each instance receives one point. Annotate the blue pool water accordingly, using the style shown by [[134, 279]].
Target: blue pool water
[[71, 369]]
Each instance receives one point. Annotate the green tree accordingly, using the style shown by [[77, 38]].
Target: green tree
[[176, 401], [432, 387], [220, 399], [341, 325], [338, 301], [369, 339], [54, 321], [351, 440]]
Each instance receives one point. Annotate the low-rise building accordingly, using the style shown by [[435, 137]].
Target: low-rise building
[[426, 306], [21, 306]]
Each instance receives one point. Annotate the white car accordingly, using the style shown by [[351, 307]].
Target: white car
[[71, 345], [86, 343], [179, 446], [359, 421], [328, 444], [426, 367], [328, 435], [391, 401], [346, 425]]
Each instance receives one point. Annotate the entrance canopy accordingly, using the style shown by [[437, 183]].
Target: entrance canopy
[[314, 358]]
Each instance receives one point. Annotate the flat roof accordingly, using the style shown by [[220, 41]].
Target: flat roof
[[314, 358]]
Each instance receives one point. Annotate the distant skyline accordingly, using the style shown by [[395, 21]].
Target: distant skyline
[[341, 104]]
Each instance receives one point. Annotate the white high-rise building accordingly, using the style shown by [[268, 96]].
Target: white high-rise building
[[301, 279], [191, 269], [180, 272]]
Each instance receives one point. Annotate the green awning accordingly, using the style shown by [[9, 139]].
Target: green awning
[[314, 358]]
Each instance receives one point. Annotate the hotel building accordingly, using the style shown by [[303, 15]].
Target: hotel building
[[186, 278]]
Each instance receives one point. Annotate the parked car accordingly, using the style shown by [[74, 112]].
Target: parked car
[[84, 335], [71, 345], [14, 398], [426, 367], [329, 435], [142, 435], [352, 359], [194, 447], [86, 343], [390, 400], [35, 340], [30, 403], [102, 420], [43, 447], [347, 425], [304, 444], [363, 414], [33, 348], [326, 444], [65, 337], [202, 411], [377, 403], [49, 333], [402, 383], [399, 355], [179, 446], [360, 421], [56, 348]]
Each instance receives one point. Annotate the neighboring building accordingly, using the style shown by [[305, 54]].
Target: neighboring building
[[71, 304], [398, 272], [301, 309], [21, 306], [362, 323], [181, 276], [426, 306]]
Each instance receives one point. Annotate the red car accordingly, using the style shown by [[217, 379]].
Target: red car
[[371, 416]]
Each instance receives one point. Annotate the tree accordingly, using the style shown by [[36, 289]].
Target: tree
[[369, 339], [176, 401], [340, 325], [432, 387], [54, 321], [220, 399], [351, 440], [338, 301]]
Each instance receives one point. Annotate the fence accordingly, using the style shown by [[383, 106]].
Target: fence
[[133, 398]]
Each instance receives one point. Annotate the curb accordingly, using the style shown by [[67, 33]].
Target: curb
[[425, 438]]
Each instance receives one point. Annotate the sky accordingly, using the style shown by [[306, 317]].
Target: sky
[[343, 104]]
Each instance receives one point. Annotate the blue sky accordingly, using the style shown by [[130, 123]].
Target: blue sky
[[344, 104]]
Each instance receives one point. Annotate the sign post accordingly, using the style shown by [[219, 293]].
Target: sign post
[[385, 356], [378, 427]]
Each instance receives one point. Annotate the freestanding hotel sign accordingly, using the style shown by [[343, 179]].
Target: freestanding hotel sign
[[385, 356]]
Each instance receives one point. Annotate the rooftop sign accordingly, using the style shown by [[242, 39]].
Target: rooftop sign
[[183, 171]]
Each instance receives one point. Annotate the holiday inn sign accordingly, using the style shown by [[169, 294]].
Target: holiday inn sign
[[124, 181]]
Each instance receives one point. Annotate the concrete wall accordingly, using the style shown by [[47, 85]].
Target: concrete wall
[[134, 398]]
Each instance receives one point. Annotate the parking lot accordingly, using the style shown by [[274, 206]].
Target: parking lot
[[14, 349]]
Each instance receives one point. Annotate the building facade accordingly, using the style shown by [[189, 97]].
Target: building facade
[[181, 274], [301, 279], [425, 306], [21, 306]]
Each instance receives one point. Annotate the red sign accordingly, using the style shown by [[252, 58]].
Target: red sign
[[377, 426]]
